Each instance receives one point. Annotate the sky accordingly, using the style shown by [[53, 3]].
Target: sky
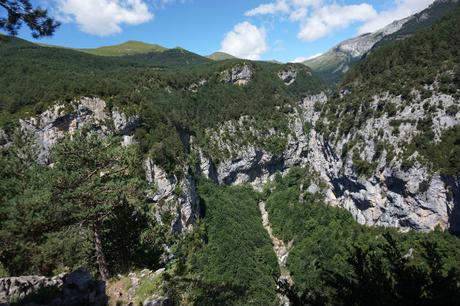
[[283, 30]]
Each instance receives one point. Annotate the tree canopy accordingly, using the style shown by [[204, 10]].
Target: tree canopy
[[19, 12]]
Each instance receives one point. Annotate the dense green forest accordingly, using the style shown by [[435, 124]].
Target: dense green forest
[[157, 84], [49, 216], [229, 259]]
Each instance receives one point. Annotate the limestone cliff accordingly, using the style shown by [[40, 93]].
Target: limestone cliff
[[393, 195], [390, 196]]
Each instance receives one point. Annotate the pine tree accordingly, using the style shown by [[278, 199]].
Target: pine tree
[[94, 177], [21, 11]]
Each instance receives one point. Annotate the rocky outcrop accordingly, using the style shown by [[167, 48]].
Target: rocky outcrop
[[5, 141], [257, 166], [72, 289], [288, 76], [392, 195], [239, 75], [173, 196], [47, 128]]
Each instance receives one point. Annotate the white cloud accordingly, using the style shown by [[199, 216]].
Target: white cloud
[[164, 3], [296, 7], [319, 18], [306, 3], [299, 14], [245, 41], [402, 9], [299, 59], [279, 6], [330, 18], [303, 59], [104, 17]]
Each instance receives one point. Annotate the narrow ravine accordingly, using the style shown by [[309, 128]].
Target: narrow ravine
[[281, 251]]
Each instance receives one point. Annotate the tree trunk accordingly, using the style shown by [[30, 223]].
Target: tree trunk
[[100, 257]]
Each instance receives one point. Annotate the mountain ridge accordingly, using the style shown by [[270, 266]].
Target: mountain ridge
[[333, 64], [220, 56]]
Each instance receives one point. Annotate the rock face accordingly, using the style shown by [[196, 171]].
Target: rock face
[[73, 289], [338, 59], [4, 139], [52, 125], [239, 75], [392, 196], [173, 195], [288, 76]]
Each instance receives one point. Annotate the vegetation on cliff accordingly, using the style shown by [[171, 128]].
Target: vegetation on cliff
[[336, 261], [88, 209]]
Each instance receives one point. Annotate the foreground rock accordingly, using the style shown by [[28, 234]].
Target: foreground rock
[[77, 288]]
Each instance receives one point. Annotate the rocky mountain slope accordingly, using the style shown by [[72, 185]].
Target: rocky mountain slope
[[333, 64], [389, 193], [231, 157]]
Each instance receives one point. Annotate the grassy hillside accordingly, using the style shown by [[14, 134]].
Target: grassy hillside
[[127, 48], [329, 66], [220, 56]]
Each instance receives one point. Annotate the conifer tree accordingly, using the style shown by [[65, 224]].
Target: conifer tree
[[94, 177], [19, 12]]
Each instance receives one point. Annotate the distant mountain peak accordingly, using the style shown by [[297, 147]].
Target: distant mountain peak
[[220, 56], [333, 64], [130, 47]]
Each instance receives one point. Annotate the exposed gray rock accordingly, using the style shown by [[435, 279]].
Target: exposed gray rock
[[239, 75], [123, 124], [160, 301], [5, 141], [72, 289], [52, 125], [351, 50], [173, 195], [288, 76]]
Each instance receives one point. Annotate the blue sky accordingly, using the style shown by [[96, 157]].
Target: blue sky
[[256, 29]]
